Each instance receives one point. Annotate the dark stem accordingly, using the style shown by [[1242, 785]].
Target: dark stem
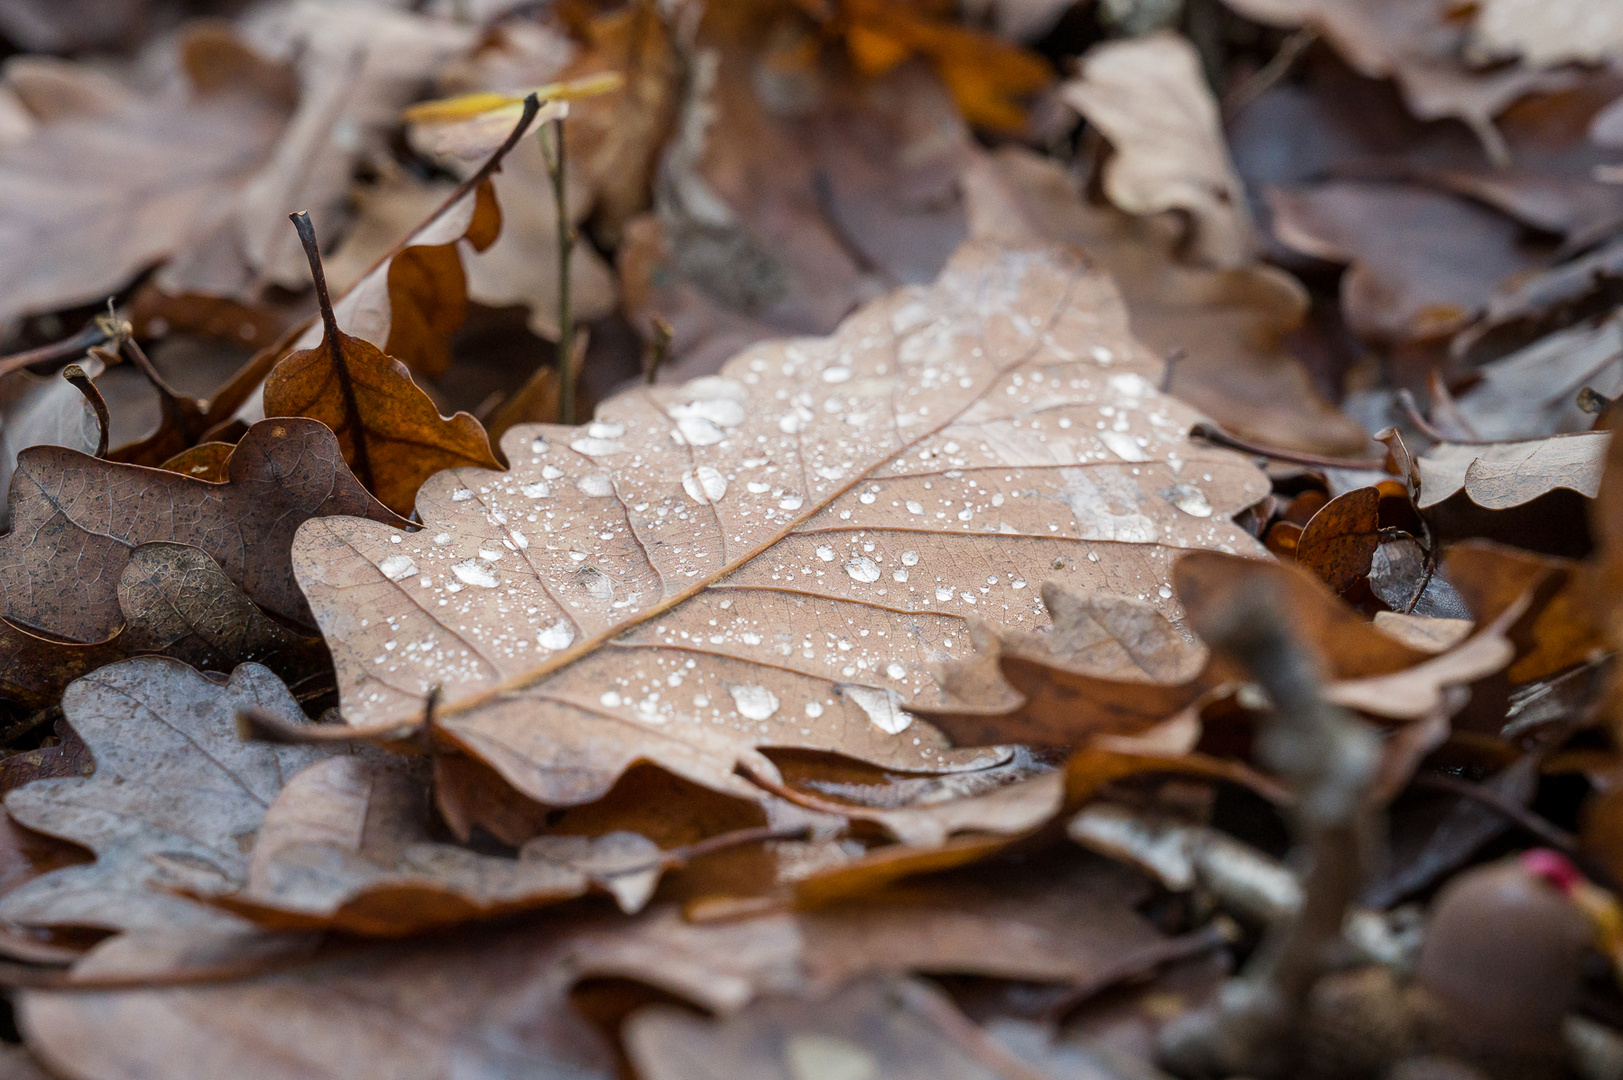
[[95, 332], [1411, 409], [75, 374], [334, 341], [566, 250], [1216, 435], [661, 348], [1548, 833]]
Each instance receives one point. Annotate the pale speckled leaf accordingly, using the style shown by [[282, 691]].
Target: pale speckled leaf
[[777, 555], [175, 799]]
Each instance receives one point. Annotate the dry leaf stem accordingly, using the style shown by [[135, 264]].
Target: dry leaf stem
[[335, 345], [77, 375], [553, 150]]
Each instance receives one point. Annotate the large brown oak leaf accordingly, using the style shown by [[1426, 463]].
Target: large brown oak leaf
[[777, 556]]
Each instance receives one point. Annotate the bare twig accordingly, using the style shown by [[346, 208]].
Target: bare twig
[[97, 331], [1552, 835], [661, 350], [553, 151], [76, 375], [1213, 434], [1330, 757], [1276, 68]]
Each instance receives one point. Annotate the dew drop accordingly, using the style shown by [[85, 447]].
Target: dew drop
[[1190, 499], [704, 485], [560, 635], [910, 558], [944, 592], [396, 567], [611, 699], [825, 553], [754, 702], [867, 498], [442, 539], [461, 495], [596, 486], [697, 431], [836, 374], [915, 507], [862, 569], [814, 709], [537, 490], [895, 670], [884, 708], [1164, 592], [791, 502], [474, 572]]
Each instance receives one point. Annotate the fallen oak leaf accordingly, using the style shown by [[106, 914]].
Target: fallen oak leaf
[[1498, 476], [145, 837], [176, 602], [347, 845], [659, 525], [390, 431], [76, 519], [1150, 98]]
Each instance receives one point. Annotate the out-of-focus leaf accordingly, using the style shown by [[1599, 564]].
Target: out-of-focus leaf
[[1150, 98]]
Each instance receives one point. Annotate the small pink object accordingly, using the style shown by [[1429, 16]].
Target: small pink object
[[1553, 867]]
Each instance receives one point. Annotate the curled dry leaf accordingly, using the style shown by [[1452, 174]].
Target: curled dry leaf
[[430, 1007], [775, 556], [41, 409], [148, 839], [1339, 541], [1150, 98], [348, 845], [389, 430], [493, 1001], [1498, 476], [76, 519], [176, 602]]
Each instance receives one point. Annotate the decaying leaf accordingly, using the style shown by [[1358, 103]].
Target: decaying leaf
[[869, 1028], [147, 840], [348, 845], [176, 602], [1150, 98], [1338, 543], [1431, 267], [1498, 476], [1548, 33], [389, 430], [76, 519], [703, 561], [1226, 328], [1418, 46], [122, 181]]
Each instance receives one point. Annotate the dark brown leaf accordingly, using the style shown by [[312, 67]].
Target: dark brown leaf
[[77, 519]]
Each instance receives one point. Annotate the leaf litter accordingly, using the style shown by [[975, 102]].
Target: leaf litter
[[1082, 514]]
